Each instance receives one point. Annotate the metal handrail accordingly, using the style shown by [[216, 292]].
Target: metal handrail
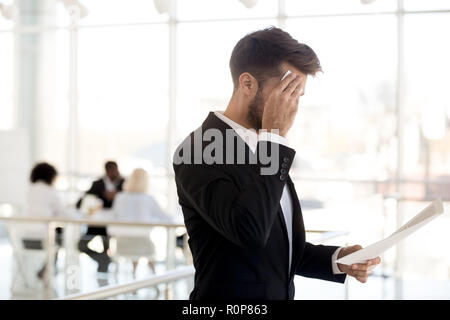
[[168, 276], [89, 221], [114, 290]]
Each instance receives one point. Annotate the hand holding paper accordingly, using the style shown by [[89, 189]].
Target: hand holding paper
[[422, 218], [360, 272]]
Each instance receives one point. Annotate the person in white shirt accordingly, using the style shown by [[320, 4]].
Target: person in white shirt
[[42, 200], [136, 205]]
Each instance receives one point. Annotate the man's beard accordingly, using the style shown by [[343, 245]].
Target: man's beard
[[255, 111]]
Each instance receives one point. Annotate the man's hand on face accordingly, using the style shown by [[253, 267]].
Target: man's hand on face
[[282, 104], [360, 271]]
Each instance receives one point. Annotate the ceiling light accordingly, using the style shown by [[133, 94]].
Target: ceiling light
[[249, 3], [162, 6], [73, 6], [8, 11]]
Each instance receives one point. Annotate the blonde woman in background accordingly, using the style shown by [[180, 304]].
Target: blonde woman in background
[[135, 204]]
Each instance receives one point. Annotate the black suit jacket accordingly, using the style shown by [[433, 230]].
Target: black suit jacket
[[237, 232], [98, 189]]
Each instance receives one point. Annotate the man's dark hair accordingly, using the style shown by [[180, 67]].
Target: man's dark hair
[[43, 172], [110, 165], [260, 53]]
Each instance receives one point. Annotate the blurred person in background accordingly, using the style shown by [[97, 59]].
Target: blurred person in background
[[105, 189], [136, 205], [42, 200]]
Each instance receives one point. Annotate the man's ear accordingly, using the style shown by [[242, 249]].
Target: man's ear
[[248, 85]]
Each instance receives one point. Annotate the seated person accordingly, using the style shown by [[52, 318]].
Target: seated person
[[105, 189], [42, 200], [136, 205]]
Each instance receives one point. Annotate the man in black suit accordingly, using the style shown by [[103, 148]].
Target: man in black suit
[[240, 206], [105, 189]]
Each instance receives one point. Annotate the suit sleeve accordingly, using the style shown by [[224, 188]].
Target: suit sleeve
[[316, 263], [243, 215], [120, 185]]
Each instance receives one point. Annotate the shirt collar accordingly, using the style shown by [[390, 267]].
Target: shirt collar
[[109, 184], [248, 135]]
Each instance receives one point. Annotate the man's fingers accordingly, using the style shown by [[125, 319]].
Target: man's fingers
[[356, 273], [298, 92], [356, 248], [360, 266], [289, 90], [286, 81], [377, 260], [362, 279], [369, 265], [362, 273], [370, 268]]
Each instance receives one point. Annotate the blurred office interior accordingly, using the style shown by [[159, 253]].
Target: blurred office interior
[[84, 82]]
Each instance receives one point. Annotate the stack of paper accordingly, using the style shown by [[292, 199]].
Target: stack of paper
[[374, 250]]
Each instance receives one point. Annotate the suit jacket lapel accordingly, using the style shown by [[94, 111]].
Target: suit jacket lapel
[[298, 228]]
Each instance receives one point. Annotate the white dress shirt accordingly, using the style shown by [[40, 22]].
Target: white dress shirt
[[41, 201], [251, 138], [138, 207], [133, 206], [109, 185]]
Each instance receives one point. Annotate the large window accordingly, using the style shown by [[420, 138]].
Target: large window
[[124, 115], [219, 9], [427, 137], [346, 124], [128, 83], [203, 79], [321, 7], [6, 81], [114, 12], [427, 97], [52, 107]]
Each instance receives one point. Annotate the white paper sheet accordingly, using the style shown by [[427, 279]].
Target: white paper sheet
[[374, 250]]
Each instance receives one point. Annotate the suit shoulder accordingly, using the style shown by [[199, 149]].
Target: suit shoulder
[[185, 151], [98, 182]]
